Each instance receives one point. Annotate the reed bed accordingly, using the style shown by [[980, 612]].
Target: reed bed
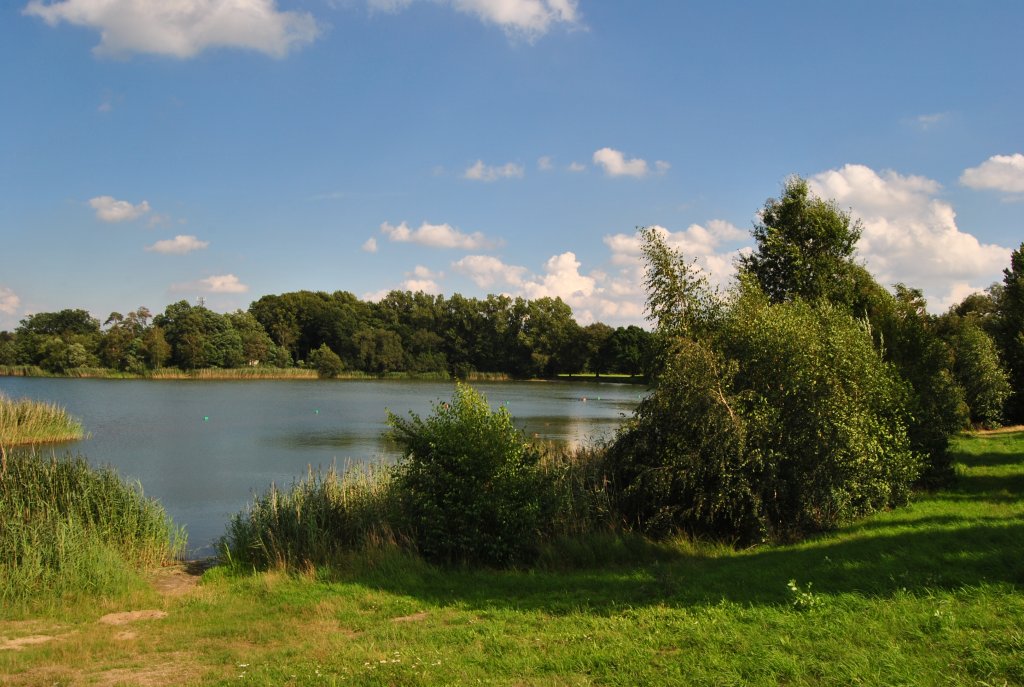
[[319, 519], [25, 421], [70, 529]]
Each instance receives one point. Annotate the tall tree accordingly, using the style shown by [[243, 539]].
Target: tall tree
[[805, 247], [1010, 329]]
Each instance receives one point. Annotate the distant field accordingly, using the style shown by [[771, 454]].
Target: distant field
[[932, 594]]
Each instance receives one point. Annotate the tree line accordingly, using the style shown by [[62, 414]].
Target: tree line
[[332, 332]]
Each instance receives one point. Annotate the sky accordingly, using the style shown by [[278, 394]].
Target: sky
[[159, 150]]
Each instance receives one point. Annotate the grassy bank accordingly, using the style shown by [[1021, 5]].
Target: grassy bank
[[932, 594], [25, 421]]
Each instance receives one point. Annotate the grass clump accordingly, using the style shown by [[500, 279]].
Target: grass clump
[[69, 529], [319, 519], [25, 421]]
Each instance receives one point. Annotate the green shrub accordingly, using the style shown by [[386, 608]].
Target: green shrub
[[469, 486], [783, 422], [326, 362]]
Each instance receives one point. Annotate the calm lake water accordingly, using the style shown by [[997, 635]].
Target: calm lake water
[[203, 448]]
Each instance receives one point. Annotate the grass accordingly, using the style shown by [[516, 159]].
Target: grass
[[25, 421], [931, 594], [68, 530]]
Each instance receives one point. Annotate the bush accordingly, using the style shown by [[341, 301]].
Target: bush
[[326, 362], [469, 487], [783, 422]]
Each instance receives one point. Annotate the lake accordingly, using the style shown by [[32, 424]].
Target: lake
[[203, 448]]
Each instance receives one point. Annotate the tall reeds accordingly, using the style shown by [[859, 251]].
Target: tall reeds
[[317, 520], [34, 422], [71, 529]]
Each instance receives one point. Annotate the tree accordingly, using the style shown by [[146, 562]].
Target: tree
[[804, 248], [1010, 331], [979, 372], [767, 420]]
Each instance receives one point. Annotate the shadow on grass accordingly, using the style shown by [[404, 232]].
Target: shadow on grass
[[930, 558]]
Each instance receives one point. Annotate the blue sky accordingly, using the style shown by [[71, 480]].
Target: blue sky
[[227, 149]]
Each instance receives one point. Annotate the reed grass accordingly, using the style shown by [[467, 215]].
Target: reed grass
[[69, 529], [25, 421], [319, 519]]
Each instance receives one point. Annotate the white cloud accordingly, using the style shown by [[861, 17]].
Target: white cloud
[[179, 245], [910, 235], [999, 172], [421, 272], [435, 236], [220, 283], [545, 164], [615, 164], [487, 271], [425, 285], [9, 301], [110, 209], [577, 167], [527, 18], [182, 28], [481, 172], [370, 245]]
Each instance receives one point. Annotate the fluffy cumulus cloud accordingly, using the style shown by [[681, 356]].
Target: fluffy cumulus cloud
[[911, 235], [9, 301], [434, 236], [615, 164], [370, 245], [218, 283], [179, 245], [182, 28], [487, 271], [478, 171], [109, 209], [1000, 173], [422, 279]]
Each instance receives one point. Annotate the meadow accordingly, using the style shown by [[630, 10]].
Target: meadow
[[928, 594]]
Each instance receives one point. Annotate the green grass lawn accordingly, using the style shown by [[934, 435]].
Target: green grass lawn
[[932, 594]]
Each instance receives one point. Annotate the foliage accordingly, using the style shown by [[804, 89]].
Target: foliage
[[326, 362], [1010, 331], [804, 247], [978, 370], [769, 420], [468, 485], [68, 528]]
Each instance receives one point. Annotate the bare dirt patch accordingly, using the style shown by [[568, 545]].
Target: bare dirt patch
[[22, 642], [179, 579], [126, 617]]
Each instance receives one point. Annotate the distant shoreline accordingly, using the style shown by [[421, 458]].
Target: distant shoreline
[[292, 373]]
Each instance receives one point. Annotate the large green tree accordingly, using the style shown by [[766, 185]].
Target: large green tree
[[1010, 330], [805, 246]]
